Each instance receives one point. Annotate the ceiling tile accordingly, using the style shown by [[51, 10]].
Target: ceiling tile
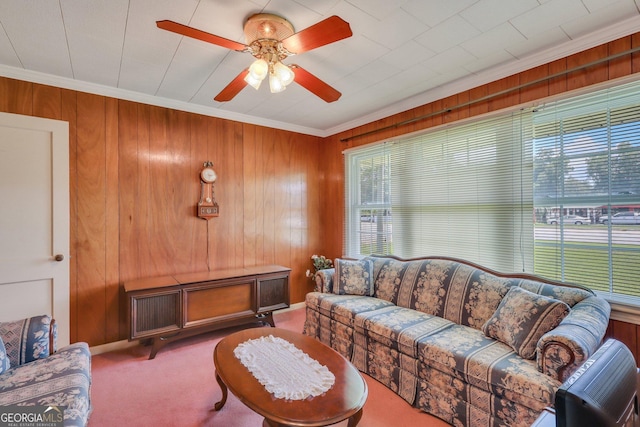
[[449, 60], [7, 53], [433, 13], [38, 36], [447, 34], [548, 15], [488, 61], [538, 43], [322, 7], [191, 67], [224, 18], [358, 20], [495, 40], [488, 14], [408, 54], [405, 26], [602, 17], [377, 8], [96, 30]]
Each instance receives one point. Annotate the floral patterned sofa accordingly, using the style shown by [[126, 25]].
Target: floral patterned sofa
[[464, 343], [33, 372]]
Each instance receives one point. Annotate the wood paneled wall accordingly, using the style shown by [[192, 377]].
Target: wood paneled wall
[[628, 333], [384, 129], [134, 177], [134, 184]]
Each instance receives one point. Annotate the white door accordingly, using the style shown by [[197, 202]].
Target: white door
[[34, 219]]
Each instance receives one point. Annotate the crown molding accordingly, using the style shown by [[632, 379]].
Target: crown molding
[[128, 95]]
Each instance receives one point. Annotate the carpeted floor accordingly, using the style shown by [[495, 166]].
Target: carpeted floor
[[178, 388]]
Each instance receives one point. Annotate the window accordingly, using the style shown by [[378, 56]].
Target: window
[[587, 163], [456, 192], [553, 191], [368, 228]]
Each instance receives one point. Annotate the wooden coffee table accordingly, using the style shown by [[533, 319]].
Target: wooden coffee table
[[345, 399]]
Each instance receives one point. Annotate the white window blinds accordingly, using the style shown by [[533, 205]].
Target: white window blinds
[[587, 185], [461, 192], [554, 191]]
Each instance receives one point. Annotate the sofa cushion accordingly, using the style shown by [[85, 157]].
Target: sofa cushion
[[455, 291], [467, 354], [522, 318], [353, 277], [5, 364], [26, 340], [343, 308], [388, 274], [399, 328]]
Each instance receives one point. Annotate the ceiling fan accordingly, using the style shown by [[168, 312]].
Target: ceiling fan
[[270, 39]]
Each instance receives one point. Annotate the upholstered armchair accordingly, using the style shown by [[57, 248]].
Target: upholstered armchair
[[33, 372]]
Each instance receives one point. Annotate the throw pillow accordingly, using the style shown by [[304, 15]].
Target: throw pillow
[[26, 340], [353, 277], [4, 359], [522, 318]]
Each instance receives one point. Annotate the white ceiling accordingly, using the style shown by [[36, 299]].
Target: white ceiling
[[403, 53]]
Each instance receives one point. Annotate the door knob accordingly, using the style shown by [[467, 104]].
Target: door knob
[[58, 257]]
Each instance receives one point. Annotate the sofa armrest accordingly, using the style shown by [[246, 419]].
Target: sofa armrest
[[562, 350], [324, 280]]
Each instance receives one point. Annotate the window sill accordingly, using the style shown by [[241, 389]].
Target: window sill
[[625, 313]]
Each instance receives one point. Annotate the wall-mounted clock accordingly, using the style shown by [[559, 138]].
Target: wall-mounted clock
[[208, 175], [207, 206]]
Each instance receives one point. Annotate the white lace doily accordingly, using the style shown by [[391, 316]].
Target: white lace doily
[[283, 369]]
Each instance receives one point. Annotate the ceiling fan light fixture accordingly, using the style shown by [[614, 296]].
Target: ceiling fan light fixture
[[283, 73], [257, 72], [253, 81], [259, 69], [275, 84]]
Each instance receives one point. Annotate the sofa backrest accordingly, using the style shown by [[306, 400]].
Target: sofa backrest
[[455, 290]]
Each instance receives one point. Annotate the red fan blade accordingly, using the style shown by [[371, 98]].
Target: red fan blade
[[324, 32], [200, 35], [233, 88], [315, 85]]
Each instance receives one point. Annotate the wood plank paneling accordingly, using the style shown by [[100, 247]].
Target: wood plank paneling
[[199, 155], [17, 97], [533, 91], [622, 66], [47, 102], [68, 114], [128, 183], [91, 232], [114, 307]]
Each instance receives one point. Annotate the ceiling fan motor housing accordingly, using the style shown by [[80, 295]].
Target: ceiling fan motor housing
[[267, 26], [263, 33]]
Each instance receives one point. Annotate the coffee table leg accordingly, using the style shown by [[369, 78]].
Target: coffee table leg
[[223, 387], [355, 419]]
